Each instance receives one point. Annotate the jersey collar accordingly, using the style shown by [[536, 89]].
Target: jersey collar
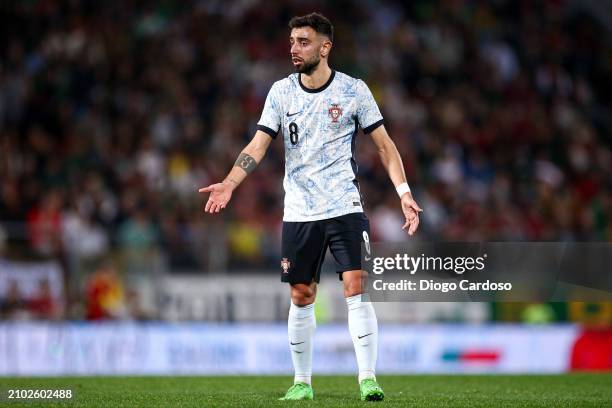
[[319, 89]]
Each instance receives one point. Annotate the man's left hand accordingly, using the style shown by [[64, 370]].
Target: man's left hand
[[411, 211]]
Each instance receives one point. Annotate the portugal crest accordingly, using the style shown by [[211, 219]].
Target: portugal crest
[[335, 112], [285, 264]]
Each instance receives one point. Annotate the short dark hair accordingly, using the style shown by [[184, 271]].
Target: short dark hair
[[317, 21]]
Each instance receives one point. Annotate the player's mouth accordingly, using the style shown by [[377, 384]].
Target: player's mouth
[[297, 61]]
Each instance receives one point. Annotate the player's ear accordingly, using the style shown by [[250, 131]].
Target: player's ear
[[325, 47]]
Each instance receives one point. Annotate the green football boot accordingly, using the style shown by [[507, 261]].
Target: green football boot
[[370, 390], [298, 391]]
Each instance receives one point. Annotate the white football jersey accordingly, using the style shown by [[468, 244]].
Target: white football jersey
[[319, 128]]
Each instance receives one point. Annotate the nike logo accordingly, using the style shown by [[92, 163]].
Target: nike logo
[[365, 335], [299, 352], [291, 114], [295, 344]]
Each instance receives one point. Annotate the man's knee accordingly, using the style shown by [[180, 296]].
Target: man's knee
[[303, 294], [353, 283]]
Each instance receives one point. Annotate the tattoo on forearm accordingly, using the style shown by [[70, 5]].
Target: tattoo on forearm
[[246, 163]]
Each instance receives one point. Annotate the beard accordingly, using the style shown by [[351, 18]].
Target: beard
[[309, 66]]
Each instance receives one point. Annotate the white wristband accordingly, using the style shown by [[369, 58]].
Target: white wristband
[[402, 189]]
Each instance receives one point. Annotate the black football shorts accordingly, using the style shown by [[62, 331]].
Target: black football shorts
[[305, 244]]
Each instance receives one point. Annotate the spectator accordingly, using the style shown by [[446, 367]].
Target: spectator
[[42, 305], [105, 295], [13, 305], [45, 225]]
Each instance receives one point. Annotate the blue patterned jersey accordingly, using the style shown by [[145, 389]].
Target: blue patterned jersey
[[319, 127]]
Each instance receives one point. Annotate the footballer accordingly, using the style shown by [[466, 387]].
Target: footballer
[[318, 112]]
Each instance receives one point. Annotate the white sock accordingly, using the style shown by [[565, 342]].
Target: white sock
[[301, 325], [364, 332]]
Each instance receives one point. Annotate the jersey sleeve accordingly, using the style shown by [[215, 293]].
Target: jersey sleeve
[[368, 114], [270, 120]]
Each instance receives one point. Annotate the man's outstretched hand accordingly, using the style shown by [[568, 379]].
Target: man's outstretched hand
[[220, 194], [411, 211]]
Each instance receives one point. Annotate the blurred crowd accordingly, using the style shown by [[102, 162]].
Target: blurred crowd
[[112, 115], [42, 305]]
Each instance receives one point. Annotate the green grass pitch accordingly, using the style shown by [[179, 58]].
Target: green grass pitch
[[570, 390]]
